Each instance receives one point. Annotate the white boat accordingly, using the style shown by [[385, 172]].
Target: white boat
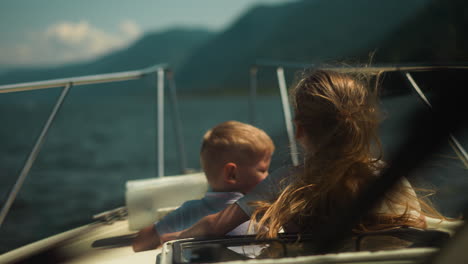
[[107, 239]]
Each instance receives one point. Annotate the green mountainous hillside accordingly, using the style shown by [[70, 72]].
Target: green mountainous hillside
[[308, 31], [436, 34]]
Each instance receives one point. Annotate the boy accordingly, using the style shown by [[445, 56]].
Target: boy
[[235, 157]]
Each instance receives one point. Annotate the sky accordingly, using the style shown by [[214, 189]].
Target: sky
[[51, 32]]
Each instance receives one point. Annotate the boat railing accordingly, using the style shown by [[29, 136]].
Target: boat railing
[[279, 67], [163, 74]]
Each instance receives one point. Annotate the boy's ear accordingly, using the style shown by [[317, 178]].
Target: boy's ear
[[230, 172]]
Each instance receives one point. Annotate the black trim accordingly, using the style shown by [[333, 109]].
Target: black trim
[[416, 237]]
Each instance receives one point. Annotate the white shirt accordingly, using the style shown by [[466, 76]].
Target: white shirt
[[191, 211]]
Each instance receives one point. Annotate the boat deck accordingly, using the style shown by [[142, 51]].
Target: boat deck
[[94, 243]]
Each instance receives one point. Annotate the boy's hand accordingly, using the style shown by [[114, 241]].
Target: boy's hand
[[146, 239]]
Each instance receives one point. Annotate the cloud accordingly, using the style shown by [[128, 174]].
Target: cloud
[[68, 41], [130, 28], [72, 33]]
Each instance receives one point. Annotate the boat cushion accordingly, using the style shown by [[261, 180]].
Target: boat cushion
[[148, 200]]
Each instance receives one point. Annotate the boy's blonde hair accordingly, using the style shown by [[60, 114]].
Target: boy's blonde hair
[[233, 141]]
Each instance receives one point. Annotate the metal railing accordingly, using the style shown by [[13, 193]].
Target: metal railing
[[279, 67], [162, 73]]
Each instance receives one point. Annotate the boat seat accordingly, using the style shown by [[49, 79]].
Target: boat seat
[[149, 200]]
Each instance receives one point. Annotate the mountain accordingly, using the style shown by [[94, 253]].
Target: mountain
[[435, 34], [308, 31], [171, 46], [305, 31]]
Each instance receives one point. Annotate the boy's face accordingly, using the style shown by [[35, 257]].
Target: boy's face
[[253, 173]]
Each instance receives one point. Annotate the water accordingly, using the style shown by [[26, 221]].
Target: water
[[97, 144]]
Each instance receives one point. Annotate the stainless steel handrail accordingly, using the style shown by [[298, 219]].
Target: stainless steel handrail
[[279, 66], [82, 80], [294, 153], [287, 115], [160, 121], [67, 83], [33, 155]]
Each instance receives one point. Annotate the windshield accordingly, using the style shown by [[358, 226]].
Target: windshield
[[293, 245]]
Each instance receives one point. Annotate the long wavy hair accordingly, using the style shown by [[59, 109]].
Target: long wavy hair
[[339, 116]]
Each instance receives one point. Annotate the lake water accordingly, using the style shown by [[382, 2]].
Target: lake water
[[97, 144]]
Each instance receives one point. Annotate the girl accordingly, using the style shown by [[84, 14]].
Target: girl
[[336, 118]]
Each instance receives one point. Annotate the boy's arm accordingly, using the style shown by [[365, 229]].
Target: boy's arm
[[147, 239], [212, 225]]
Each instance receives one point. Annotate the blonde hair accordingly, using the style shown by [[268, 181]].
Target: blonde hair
[[339, 116], [233, 141]]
